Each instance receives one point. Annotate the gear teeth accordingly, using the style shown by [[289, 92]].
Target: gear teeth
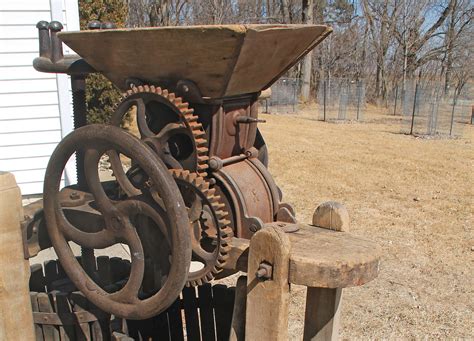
[[224, 231]]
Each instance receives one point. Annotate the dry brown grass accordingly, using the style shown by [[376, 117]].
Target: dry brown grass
[[413, 196]]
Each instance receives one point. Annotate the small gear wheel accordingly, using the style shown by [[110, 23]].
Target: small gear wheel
[[210, 229], [168, 125]]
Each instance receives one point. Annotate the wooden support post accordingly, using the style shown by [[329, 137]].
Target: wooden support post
[[323, 311], [267, 286], [322, 314], [16, 317], [237, 332]]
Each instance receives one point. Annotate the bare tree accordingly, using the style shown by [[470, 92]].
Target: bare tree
[[306, 69]]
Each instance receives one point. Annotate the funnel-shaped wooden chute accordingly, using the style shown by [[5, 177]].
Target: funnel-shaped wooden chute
[[223, 61]]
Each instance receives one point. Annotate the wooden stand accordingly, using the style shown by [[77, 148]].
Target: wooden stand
[[324, 258], [16, 319]]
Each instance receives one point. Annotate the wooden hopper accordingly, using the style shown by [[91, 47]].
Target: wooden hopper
[[224, 60]]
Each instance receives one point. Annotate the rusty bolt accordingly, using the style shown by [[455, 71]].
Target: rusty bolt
[[253, 228], [264, 271], [74, 196]]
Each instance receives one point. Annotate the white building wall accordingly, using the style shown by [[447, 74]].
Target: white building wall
[[35, 107]]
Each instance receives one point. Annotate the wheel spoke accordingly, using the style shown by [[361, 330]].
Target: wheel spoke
[[129, 293], [120, 175], [141, 119]]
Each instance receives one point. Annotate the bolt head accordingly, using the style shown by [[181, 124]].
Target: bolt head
[[55, 26], [42, 25]]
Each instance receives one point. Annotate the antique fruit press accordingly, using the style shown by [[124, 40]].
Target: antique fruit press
[[191, 185]]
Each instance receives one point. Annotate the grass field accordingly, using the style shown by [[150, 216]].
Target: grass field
[[413, 196]]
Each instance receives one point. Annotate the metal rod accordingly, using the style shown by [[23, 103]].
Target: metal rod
[[359, 93], [324, 100], [452, 115]]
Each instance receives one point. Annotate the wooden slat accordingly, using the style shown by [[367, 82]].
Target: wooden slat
[[100, 328], [206, 312], [238, 315], [175, 321], [105, 273], [35, 307], [16, 139], [191, 314], [22, 72], [24, 5], [23, 18], [63, 308], [50, 273], [25, 87], [24, 164], [160, 327], [37, 281], [16, 59], [223, 300], [50, 332], [32, 98], [79, 303], [14, 152], [25, 112], [18, 45]]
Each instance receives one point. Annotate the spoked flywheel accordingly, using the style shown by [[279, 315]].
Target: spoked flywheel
[[210, 229], [168, 125], [115, 220]]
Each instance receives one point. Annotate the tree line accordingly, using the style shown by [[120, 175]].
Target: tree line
[[384, 42]]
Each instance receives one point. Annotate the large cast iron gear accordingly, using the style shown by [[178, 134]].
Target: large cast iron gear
[[160, 131], [210, 229]]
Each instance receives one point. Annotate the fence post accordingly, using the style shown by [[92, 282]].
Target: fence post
[[359, 94], [452, 114], [414, 109], [396, 99], [324, 100]]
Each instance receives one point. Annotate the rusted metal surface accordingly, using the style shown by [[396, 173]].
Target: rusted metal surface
[[193, 184], [118, 223]]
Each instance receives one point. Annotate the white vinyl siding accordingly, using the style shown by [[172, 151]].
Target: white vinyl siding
[[35, 107]]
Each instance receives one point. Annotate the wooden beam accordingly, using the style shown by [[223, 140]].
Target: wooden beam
[[15, 303], [268, 290]]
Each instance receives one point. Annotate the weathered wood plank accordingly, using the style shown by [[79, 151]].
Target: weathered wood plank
[[321, 258], [237, 332], [268, 293], [79, 303], [223, 301], [175, 321], [15, 302], [191, 314], [50, 332], [322, 315], [206, 312], [35, 307]]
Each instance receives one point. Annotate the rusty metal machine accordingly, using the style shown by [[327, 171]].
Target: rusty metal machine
[[192, 178]]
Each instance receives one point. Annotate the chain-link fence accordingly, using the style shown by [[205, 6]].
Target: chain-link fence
[[429, 110], [284, 97], [341, 99], [336, 99]]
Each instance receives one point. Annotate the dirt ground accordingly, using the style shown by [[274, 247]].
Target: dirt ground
[[413, 196]]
